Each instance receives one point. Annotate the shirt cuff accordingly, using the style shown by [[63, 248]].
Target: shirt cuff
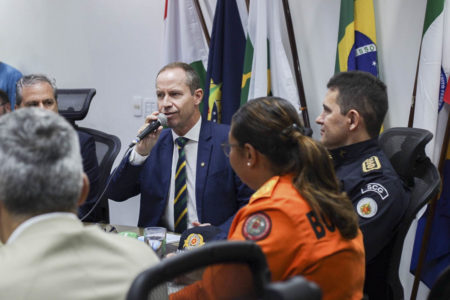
[[136, 159]]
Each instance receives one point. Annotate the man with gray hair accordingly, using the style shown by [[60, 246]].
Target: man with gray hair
[[37, 90], [48, 253]]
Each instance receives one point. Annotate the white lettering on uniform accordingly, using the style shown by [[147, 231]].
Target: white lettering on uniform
[[377, 188]]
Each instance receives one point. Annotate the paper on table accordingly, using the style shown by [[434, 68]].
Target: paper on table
[[172, 238]]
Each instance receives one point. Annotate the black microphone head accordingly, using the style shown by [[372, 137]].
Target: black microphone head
[[162, 118]]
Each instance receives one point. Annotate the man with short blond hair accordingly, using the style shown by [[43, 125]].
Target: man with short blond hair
[[212, 193]]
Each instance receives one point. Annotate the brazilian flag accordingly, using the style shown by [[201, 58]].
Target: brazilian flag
[[225, 64], [357, 49]]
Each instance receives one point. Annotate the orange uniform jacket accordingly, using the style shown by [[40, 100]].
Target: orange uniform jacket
[[282, 223]]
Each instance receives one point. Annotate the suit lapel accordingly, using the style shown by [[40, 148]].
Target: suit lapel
[[165, 171], [205, 147]]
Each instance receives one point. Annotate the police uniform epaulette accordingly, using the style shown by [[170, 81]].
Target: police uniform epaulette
[[371, 165]]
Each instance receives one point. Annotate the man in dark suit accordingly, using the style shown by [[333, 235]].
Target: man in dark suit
[[37, 90], [214, 192]]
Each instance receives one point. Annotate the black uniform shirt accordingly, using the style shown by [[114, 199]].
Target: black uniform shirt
[[379, 196]]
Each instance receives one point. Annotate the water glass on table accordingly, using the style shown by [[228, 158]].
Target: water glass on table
[[155, 237]]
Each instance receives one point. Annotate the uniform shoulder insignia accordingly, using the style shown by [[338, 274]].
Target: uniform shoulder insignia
[[266, 189], [193, 240], [370, 164], [366, 208], [257, 226]]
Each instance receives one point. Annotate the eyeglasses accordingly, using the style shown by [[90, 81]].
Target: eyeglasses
[[226, 147]]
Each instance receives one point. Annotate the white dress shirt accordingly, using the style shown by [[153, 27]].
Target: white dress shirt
[[190, 150]]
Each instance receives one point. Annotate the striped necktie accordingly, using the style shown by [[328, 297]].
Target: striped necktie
[[180, 201]]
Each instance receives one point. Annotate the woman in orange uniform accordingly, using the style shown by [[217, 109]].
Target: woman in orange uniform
[[298, 216]]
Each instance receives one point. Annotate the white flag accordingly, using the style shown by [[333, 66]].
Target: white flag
[[434, 70], [270, 69], [184, 39]]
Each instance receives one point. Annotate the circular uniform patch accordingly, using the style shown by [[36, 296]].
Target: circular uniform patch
[[193, 240], [257, 226], [367, 207]]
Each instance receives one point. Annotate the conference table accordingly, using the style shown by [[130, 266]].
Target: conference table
[[172, 238]]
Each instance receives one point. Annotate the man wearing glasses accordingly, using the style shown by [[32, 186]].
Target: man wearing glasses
[[182, 174]]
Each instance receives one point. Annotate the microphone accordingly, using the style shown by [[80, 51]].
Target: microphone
[[162, 120]]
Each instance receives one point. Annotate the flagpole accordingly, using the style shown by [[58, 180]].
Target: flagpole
[[424, 246], [298, 74], [413, 99], [202, 21], [430, 217]]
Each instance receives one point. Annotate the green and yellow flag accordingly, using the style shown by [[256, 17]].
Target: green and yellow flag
[[225, 61], [357, 49]]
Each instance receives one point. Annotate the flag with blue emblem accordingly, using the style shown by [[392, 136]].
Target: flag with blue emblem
[[225, 63], [357, 42], [431, 112]]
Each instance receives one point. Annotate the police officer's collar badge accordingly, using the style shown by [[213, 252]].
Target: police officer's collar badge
[[257, 226], [193, 240], [366, 208], [370, 164]]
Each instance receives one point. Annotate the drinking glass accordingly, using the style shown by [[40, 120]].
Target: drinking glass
[[155, 237]]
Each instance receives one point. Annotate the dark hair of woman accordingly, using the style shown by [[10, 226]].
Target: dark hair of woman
[[271, 126]]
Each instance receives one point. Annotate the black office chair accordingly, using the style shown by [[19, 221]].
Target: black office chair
[[405, 148], [441, 288], [107, 147], [296, 287], [241, 252], [74, 105]]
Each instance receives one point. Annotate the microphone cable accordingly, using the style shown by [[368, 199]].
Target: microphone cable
[[162, 120], [97, 201]]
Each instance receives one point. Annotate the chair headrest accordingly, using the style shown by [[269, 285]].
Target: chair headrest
[[405, 148], [73, 104]]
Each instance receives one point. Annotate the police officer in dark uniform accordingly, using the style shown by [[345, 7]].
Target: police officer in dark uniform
[[353, 112]]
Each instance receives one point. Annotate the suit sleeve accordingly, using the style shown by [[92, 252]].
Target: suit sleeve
[[125, 181]]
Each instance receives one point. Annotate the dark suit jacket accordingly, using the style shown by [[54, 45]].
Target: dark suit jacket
[[90, 167], [219, 192]]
